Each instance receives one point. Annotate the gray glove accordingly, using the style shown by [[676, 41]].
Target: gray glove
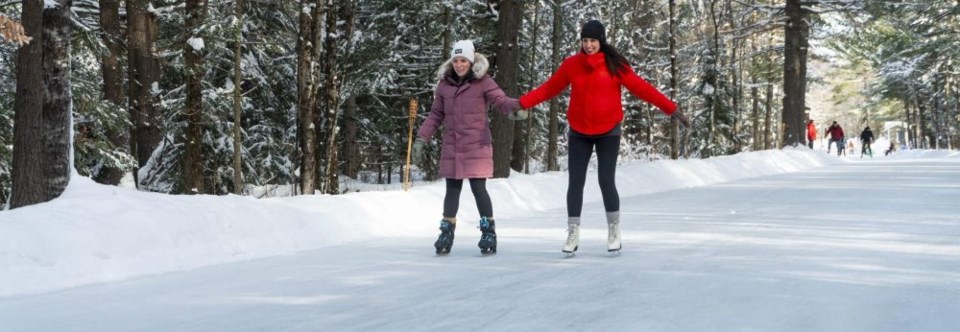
[[519, 115], [417, 155]]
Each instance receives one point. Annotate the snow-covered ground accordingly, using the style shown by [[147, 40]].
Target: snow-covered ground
[[767, 241]]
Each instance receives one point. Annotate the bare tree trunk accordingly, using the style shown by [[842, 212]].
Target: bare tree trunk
[[924, 134], [674, 74], [307, 51], [767, 129], [737, 84], [238, 98], [29, 184], [193, 61], [908, 132], [57, 97], [711, 100], [506, 66], [389, 173], [527, 141], [755, 115], [447, 31], [333, 86], [645, 23], [919, 123], [328, 98], [43, 110], [351, 149], [955, 118], [112, 84], [938, 109], [755, 110], [794, 72], [949, 120], [144, 72], [553, 128]]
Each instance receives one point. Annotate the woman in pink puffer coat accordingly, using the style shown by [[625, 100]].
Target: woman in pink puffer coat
[[460, 104]]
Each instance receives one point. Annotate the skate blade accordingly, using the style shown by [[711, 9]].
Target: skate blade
[[488, 250]]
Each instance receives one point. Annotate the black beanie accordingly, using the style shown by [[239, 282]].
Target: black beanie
[[594, 29]]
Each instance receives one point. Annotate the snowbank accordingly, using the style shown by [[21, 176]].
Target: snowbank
[[95, 233]]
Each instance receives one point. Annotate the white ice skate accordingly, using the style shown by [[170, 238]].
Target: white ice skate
[[613, 238], [573, 239]]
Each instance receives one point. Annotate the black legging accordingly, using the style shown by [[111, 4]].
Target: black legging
[[581, 148], [451, 202]]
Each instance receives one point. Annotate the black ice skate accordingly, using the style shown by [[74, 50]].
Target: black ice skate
[[445, 241], [488, 236]]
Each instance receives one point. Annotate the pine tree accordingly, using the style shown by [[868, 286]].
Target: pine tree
[[42, 163]]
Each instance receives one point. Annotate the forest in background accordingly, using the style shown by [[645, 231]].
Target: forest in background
[[217, 97]]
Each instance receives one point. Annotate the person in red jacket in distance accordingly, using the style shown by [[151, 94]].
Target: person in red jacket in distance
[[836, 136], [596, 76]]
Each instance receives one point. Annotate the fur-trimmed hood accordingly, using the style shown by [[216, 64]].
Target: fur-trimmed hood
[[461, 109], [480, 67]]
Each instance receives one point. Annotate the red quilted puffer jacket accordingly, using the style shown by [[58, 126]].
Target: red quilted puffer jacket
[[595, 97]]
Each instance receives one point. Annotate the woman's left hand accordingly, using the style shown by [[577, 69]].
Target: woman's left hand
[[518, 115], [682, 118]]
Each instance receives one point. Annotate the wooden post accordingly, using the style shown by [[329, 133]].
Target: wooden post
[[782, 129], [413, 119]]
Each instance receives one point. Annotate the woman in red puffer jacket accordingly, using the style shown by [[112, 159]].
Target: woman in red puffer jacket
[[596, 76]]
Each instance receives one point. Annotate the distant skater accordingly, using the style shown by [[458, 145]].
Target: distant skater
[[811, 133], [836, 137], [866, 138]]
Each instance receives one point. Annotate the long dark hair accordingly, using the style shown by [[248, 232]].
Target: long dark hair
[[616, 62]]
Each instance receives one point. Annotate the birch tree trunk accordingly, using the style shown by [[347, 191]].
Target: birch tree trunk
[[674, 74], [553, 127], [238, 98], [333, 86], [307, 51]]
